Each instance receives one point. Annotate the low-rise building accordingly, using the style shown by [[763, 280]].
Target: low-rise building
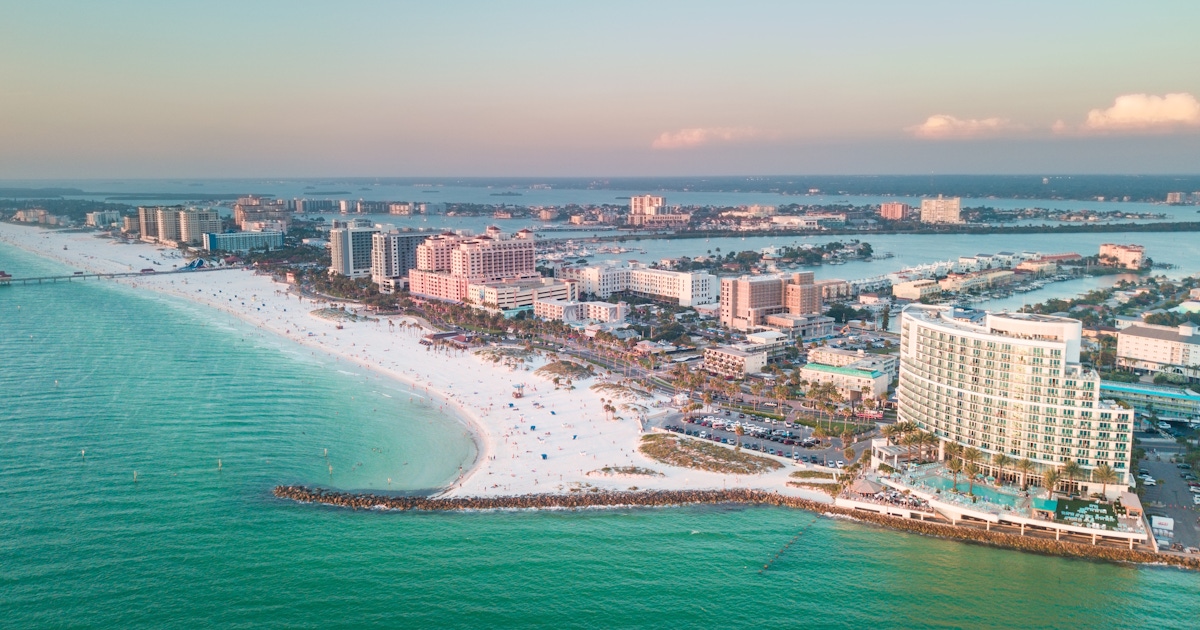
[[242, 241], [1164, 402], [916, 290], [852, 383], [512, 296], [1127, 256], [959, 282], [604, 279], [1038, 267], [734, 361], [1167, 349], [102, 218], [774, 343], [801, 326], [571, 312], [837, 357]]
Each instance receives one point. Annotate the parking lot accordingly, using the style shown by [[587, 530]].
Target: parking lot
[[1171, 497], [764, 435]]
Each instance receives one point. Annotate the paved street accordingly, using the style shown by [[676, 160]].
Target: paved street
[[1172, 491]]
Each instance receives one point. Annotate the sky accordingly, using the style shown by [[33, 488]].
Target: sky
[[297, 89]]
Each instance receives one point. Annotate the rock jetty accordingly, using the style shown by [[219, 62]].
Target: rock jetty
[[667, 498]]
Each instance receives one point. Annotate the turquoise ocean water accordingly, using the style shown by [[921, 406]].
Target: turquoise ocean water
[[164, 388]]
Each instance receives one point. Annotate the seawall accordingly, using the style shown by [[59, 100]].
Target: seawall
[[665, 498]]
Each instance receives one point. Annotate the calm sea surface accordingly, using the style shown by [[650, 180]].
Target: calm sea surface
[[98, 382]]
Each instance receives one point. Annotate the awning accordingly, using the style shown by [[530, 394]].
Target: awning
[[866, 486]]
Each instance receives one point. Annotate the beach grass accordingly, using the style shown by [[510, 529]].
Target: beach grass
[[676, 451]]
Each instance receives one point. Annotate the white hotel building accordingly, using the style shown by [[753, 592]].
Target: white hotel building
[[1010, 383], [602, 280]]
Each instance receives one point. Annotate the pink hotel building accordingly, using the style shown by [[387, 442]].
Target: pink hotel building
[[447, 263]]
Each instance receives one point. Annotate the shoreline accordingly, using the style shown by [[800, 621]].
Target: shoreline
[[678, 498], [573, 436], [1084, 228]]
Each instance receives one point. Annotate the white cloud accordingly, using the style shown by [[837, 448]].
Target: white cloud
[[945, 127], [1145, 112], [700, 136]]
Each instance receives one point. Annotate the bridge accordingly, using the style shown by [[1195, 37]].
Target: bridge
[[6, 280]]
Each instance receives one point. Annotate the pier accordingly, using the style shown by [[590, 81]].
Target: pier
[[7, 280]]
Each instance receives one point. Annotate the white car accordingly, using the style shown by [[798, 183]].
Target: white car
[[1196, 499], [1149, 482]]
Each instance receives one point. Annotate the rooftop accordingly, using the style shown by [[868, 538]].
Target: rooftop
[[1161, 333], [845, 371]]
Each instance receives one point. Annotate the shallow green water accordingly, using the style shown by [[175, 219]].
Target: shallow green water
[[166, 389]]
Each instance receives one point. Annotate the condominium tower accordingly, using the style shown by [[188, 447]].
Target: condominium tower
[[746, 302], [350, 247], [1010, 383], [941, 210]]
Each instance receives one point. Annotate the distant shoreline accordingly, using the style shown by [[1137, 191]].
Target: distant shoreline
[[1107, 228]]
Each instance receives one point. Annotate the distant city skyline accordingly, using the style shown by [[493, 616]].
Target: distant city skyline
[[279, 89]]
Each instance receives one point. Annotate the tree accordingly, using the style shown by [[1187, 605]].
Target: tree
[[1024, 466], [739, 430], [928, 440], [820, 433], [1106, 476], [849, 453], [892, 432], [847, 438], [911, 440], [972, 469], [1071, 469], [1000, 460], [1050, 480], [955, 466]]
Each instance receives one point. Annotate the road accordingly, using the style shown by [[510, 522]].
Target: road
[[1172, 492]]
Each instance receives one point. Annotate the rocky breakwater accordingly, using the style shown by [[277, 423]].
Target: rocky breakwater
[[666, 498]]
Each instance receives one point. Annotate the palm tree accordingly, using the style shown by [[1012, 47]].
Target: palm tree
[[847, 438], [910, 440], [953, 450], [1072, 469], [739, 430], [1000, 460], [892, 433], [955, 468], [849, 453], [971, 470], [820, 433], [1050, 480], [1024, 466], [1105, 475], [930, 440]]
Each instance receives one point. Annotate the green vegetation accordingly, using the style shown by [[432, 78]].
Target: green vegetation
[[565, 369], [832, 489], [687, 453], [811, 474], [636, 471]]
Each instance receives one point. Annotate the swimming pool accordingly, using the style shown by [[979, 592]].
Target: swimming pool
[[981, 490]]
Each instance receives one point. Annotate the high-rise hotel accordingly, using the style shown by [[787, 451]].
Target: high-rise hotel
[[1010, 383]]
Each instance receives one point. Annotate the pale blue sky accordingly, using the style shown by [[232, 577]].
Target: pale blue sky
[[150, 89]]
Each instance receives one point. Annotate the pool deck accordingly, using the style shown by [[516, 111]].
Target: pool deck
[[961, 510]]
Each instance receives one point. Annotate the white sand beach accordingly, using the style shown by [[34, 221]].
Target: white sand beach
[[571, 426]]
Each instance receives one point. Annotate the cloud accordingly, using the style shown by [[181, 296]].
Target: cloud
[[947, 127], [1146, 113], [700, 136]]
